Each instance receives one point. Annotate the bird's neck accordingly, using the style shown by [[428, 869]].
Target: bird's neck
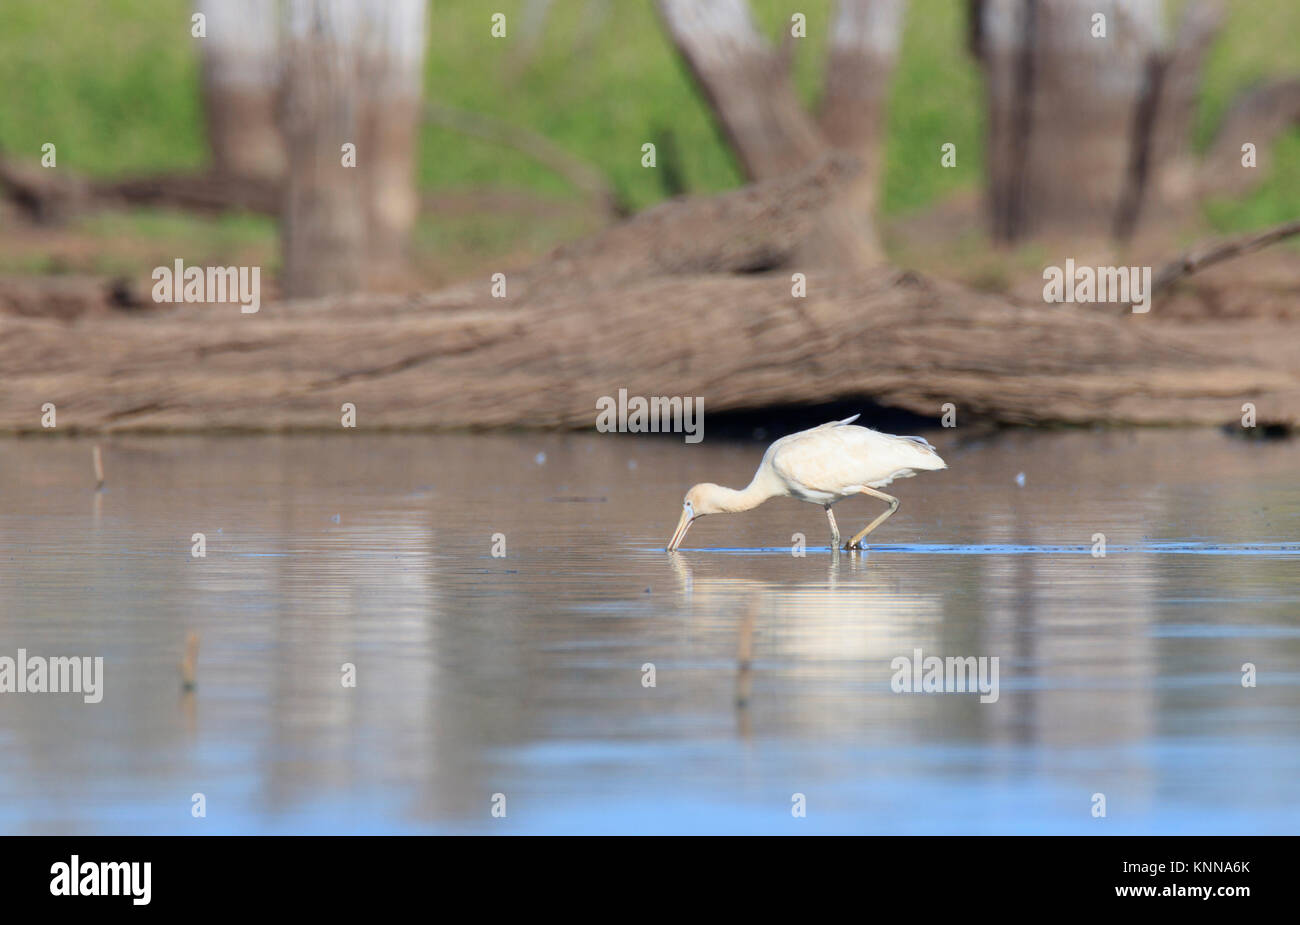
[[751, 496]]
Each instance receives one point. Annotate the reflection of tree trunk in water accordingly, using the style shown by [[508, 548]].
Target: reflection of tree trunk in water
[[323, 228], [240, 81]]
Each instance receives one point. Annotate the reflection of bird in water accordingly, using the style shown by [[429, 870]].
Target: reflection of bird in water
[[823, 465], [790, 638]]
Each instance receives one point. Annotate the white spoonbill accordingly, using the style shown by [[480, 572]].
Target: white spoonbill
[[823, 465]]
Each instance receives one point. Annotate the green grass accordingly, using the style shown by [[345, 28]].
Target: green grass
[[936, 99], [604, 92], [1274, 201], [226, 232], [114, 84]]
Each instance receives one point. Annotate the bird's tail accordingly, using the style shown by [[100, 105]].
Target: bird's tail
[[929, 456]]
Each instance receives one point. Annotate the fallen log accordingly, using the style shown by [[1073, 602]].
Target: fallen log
[[67, 297], [683, 300], [464, 360]]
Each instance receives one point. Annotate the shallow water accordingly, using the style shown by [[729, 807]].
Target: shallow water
[[523, 675]]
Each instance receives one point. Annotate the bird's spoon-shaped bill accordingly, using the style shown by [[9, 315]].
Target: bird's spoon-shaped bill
[[680, 533]]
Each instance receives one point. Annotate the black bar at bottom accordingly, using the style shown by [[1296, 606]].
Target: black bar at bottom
[[206, 875]]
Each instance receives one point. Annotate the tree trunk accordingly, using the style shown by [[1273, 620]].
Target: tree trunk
[[863, 45], [323, 229], [1180, 85], [997, 30], [241, 77], [1162, 180], [1064, 110], [392, 78], [747, 85]]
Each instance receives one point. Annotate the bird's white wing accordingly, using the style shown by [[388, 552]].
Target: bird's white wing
[[822, 459], [837, 459]]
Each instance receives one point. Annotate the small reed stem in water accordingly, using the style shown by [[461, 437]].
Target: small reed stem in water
[[745, 654], [98, 459], [190, 662]]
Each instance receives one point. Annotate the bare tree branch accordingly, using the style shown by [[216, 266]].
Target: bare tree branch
[[578, 172], [1218, 251]]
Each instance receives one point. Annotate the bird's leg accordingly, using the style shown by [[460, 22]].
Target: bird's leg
[[835, 530], [856, 542]]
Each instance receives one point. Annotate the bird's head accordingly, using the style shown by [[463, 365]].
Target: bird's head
[[700, 500]]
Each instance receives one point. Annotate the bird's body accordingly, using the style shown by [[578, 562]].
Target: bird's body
[[837, 460], [823, 466]]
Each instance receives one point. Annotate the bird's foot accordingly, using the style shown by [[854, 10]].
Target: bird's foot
[[855, 546]]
